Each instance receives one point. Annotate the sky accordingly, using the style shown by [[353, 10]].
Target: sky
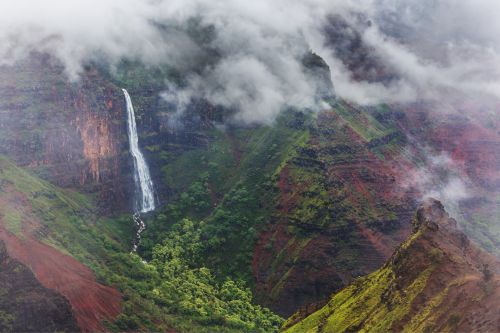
[[436, 48]]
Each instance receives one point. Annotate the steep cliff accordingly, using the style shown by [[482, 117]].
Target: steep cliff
[[70, 133], [437, 280]]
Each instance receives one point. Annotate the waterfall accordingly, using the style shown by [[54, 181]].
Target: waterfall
[[145, 199], [141, 226]]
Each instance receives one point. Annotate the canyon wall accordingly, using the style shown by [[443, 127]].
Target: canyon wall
[[70, 133]]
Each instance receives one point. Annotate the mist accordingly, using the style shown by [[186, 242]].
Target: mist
[[435, 48], [439, 178]]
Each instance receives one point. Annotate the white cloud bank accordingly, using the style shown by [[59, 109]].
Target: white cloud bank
[[436, 47]]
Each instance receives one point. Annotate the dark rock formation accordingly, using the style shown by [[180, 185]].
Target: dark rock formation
[[27, 306]]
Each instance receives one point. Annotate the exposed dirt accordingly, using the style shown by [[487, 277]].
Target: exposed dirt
[[90, 301], [32, 307]]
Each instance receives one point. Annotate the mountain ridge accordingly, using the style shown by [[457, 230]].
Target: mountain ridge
[[437, 280]]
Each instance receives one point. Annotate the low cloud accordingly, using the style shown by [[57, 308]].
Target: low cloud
[[435, 49], [438, 178]]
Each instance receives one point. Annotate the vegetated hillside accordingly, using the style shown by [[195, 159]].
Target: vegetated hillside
[[279, 215], [42, 227], [57, 234], [323, 177], [296, 209], [437, 280], [300, 208]]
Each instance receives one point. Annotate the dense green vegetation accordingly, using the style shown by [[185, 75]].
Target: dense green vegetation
[[188, 297], [228, 189], [168, 292]]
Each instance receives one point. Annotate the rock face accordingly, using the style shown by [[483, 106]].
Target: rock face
[[71, 134], [26, 305], [339, 214], [438, 280]]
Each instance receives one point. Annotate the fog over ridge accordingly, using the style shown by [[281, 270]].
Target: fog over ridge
[[436, 48]]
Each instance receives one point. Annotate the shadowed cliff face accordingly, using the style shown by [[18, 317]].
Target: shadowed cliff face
[[69, 133], [438, 280], [339, 212], [26, 305]]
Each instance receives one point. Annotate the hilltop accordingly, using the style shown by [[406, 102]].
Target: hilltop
[[437, 280]]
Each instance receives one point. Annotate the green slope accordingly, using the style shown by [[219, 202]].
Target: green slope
[[436, 281], [70, 224]]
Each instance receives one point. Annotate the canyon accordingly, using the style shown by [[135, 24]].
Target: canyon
[[297, 210]]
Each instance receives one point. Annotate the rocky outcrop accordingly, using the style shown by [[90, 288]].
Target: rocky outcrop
[[436, 281], [26, 305]]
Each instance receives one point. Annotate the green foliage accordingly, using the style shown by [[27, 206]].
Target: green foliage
[[360, 307], [229, 185], [6, 321], [194, 291], [171, 292]]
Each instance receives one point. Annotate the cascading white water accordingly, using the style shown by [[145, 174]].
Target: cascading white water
[[141, 226], [144, 185]]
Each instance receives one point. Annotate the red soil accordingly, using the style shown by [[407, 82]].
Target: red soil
[[91, 301]]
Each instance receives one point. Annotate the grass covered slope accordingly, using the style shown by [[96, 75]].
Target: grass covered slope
[[437, 281], [48, 230], [274, 203], [78, 255]]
